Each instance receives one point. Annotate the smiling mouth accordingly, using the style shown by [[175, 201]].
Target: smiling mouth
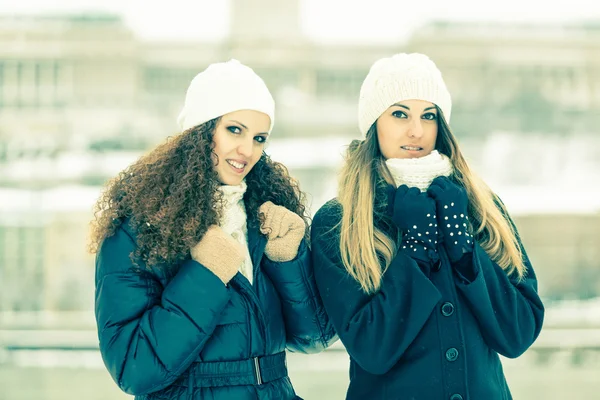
[[411, 148], [236, 165]]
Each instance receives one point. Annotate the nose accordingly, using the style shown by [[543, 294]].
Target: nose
[[416, 129], [245, 148]]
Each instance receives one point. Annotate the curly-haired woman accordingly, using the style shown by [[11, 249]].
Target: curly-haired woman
[[203, 273]]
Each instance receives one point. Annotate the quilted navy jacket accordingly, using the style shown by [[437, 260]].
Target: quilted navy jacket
[[189, 336]]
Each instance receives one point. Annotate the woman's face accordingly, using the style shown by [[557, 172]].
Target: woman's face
[[239, 140], [408, 129]]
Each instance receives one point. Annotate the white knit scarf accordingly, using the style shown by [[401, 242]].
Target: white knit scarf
[[419, 172], [234, 221]]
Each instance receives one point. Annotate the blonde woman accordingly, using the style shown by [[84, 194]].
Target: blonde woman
[[420, 267]]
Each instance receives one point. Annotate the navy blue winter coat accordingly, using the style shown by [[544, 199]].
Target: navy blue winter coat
[[189, 336], [426, 338]]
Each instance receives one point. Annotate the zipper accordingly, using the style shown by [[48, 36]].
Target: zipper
[[252, 298]]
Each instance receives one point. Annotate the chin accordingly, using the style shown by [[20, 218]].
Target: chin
[[231, 181]]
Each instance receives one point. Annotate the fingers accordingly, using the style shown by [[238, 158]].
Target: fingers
[[295, 222], [219, 252], [290, 223], [271, 224], [435, 191], [413, 191], [265, 210], [284, 248], [215, 239], [279, 221], [402, 190], [443, 185], [265, 207], [430, 201], [443, 182]]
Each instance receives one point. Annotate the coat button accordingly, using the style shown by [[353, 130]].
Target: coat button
[[437, 265], [451, 354], [447, 309], [456, 396]]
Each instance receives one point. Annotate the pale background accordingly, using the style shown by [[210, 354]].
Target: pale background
[[87, 86]]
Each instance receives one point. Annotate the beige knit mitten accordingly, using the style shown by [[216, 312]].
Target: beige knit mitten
[[219, 252], [284, 230]]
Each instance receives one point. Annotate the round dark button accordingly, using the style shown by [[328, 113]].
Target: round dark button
[[456, 396], [437, 265], [451, 354], [447, 309]]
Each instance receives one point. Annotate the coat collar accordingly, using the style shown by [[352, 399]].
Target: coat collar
[[256, 245]]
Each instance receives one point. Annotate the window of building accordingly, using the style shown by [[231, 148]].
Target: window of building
[[339, 83], [21, 264]]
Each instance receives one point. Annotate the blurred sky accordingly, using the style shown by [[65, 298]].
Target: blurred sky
[[332, 21]]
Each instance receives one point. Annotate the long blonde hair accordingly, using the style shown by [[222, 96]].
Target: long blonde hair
[[363, 245]]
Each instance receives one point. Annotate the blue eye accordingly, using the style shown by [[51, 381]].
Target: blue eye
[[399, 114], [260, 139], [234, 129], [430, 116]]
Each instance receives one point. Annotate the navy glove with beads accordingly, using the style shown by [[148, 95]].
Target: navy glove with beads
[[413, 212], [451, 206]]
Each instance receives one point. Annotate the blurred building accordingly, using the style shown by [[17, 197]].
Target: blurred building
[[519, 78], [81, 97], [43, 260], [86, 81]]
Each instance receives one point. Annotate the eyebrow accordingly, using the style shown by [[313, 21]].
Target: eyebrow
[[246, 128], [408, 108], [238, 122]]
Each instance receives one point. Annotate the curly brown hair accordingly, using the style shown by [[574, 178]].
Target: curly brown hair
[[169, 197]]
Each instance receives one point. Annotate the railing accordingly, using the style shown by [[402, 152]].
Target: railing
[[571, 328], [549, 339]]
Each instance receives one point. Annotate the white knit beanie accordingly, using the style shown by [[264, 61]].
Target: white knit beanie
[[223, 88], [401, 77]]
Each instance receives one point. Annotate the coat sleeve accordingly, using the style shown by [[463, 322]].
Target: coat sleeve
[[377, 328], [308, 328], [148, 334], [510, 311]]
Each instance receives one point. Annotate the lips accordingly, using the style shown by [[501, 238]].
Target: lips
[[236, 164], [411, 148], [238, 167]]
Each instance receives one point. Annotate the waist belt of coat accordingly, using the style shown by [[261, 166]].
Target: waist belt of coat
[[252, 371]]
